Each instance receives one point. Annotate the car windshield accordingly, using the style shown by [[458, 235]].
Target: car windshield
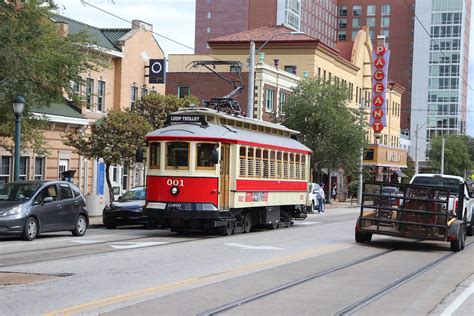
[[448, 183], [18, 191], [133, 195]]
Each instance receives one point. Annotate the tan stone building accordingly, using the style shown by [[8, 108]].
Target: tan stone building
[[301, 56], [116, 87]]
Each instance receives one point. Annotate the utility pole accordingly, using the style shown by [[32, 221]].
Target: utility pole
[[361, 157], [442, 156], [251, 83], [416, 149]]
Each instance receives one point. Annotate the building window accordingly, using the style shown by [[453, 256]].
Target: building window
[[133, 96], [269, 95], [385, 9], [341, 35], [125, 177], [354, 34], [89, 92], [76, 87], [386, 33], [343, 11], [342, 23], [5, 169], [101, 96], [209, 29], [372, 35], [143, 92], [291, 69], [356, 10], [282, 101], [63, 165], [356, 22], [23, 170], [385, 22], [371, 10], [371, 22], [183, 91], [39, 168], [208, 15]]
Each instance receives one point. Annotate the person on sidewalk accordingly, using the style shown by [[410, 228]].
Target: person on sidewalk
[[321, 198], [333, 192]]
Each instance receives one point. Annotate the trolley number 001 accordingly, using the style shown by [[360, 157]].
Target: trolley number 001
[[175, 182]]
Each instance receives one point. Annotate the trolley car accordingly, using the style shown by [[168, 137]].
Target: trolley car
[[208, 170]]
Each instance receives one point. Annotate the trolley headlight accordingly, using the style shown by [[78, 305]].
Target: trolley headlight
[[174, 190]]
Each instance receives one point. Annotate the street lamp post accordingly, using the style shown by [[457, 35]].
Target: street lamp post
[[18, 107], [361, 157], [251, 80]]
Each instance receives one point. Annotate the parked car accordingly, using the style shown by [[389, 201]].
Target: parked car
[[313, 195], [127, 210], [28, 208]]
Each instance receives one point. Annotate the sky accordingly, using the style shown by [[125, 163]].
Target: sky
[[174, 19]]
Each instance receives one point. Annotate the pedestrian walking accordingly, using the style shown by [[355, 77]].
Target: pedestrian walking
[[333, 192], [321, 198]]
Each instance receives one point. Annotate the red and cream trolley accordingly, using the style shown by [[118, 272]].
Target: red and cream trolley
[[211, 170]]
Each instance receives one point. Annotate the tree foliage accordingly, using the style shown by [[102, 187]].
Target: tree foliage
[[458, 154], [319, 111], [115, 138], [36, 62], [155, 107]]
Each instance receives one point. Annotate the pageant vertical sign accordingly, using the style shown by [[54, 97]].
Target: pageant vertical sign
[[378, 119]]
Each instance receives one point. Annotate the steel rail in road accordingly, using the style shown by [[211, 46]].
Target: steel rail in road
[[348, 310], [392, 286], [96, 252]]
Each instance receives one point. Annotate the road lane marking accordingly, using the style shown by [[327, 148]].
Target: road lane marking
[[132, 245], [200, 280], [448, 311], [239, 245], [306, 223], [86, 241]]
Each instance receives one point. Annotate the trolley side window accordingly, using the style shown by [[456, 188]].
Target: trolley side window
[[155, 155], [204, 156], [243, 161], [177, 155]]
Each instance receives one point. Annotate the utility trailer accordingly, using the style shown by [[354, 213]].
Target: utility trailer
[[412, 211]]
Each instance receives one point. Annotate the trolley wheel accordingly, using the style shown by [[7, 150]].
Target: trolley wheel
[[274, 225], [247, 224], [228, 229]]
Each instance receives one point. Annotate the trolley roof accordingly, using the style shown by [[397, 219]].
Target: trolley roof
[[233, 129]]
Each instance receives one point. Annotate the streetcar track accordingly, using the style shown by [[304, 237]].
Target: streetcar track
[[101, 252], [394, 285], [353, 307]]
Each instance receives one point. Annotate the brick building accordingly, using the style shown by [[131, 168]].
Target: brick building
[[215, 18]]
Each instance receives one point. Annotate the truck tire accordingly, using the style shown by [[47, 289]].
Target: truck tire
[[363, 237], [469, 226]]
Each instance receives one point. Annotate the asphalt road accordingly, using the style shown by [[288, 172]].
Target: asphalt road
[[306, 269]]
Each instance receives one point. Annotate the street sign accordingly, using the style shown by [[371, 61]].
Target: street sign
[[157, 71], [100, 178]]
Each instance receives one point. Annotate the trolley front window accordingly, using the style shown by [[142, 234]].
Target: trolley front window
[[204, 156], [177, 155], [155, 156]]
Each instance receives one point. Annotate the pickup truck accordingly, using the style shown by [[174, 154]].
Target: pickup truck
[[431, 207]]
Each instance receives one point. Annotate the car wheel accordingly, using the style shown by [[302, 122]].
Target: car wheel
[[30, 231], [80, 227]]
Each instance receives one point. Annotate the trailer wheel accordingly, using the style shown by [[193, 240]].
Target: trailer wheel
[[247, 224], [469, 226], [363, 237], [458, 243]]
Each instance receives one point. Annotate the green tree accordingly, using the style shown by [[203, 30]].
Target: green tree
[[155, 107], [458, 154], [36, 62], [328, 127], [115, 139], [409, 171]]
